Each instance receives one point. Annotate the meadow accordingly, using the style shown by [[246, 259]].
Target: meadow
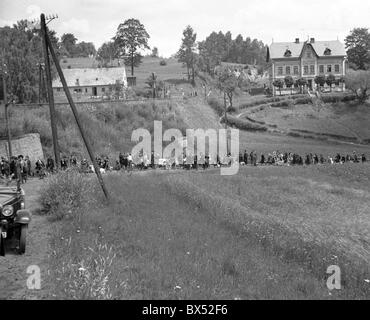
[[342, 119], [265, 233]]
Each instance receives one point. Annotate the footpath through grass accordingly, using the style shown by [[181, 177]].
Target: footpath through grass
[[266, 233]]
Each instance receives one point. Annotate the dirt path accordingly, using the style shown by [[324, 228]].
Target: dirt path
[[13, 267]]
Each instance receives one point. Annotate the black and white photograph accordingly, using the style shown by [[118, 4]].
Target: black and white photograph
[[194, 152]]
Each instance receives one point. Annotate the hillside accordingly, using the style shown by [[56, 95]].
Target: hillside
[[108, 125], [341, 121]]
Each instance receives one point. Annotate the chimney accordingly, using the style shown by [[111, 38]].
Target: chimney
[[312, 40], [296, 40]]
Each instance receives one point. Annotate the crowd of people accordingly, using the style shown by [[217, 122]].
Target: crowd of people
[[281, 158], [21, 168]]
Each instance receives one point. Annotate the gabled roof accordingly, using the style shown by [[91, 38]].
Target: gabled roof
[[278, 49], [92, 77], [336, 47], [85, 62]]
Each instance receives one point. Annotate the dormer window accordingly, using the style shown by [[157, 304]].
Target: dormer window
[[287, 53], [327, 52]]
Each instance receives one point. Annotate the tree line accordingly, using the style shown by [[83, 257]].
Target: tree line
[[216, 48]]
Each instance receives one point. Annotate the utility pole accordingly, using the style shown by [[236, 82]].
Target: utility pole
[[6, 105], [54, 130], [74, 110], [41, 82]]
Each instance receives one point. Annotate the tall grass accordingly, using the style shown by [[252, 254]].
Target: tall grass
[[260, 234], [108, 125]]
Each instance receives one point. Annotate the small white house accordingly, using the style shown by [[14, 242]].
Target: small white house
[[91, 82]]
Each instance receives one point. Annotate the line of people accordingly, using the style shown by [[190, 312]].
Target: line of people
[[280, 158], [21, 168]]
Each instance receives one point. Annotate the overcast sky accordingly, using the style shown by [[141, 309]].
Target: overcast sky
[[97, 20]]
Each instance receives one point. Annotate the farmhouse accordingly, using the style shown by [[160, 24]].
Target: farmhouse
[[91, 82], [307, 60]]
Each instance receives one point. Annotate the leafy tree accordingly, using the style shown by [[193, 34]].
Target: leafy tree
[[359, 83], [186, 53], [131, 37], [289, 82], [301, 82], [85, 49], [69, 42], [155, 85], [107, 53], [358, 45], [330, 79], [278, 83], [320, 80], [227, 82], [219, 47], [154, 52], [22, 55]]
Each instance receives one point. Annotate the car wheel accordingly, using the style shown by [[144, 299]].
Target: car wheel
[[22, 238]]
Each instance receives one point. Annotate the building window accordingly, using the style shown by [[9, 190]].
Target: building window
[[58, 89], [321, 68], [102, 89], [287, 53], [280, 71], [336, 68], [287, 70], [296, 70], [312, 69], [327, 52], [328, 68], [85, 90], [305, 70]]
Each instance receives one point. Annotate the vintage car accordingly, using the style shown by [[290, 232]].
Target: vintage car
[[14, 218]]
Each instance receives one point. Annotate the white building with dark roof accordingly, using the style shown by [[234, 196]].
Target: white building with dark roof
[[92, 82], [307, 60]]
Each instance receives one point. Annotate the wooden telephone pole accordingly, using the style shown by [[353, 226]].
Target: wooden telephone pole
[[6, 105], [54, 130], [48, 45]]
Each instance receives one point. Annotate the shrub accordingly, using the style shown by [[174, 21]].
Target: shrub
[[282, 104], [66, 192], [243, 124], [303, 101], [216, 105], [162, 62]]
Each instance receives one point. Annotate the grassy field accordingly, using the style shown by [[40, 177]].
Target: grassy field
[[347, 120], [266, 233], [172, 71]]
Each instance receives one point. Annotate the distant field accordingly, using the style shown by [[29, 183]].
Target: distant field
[[173, 70]]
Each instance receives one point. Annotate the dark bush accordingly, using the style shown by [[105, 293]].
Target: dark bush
[[216, 105], [243, 124], [162, 62], [283, 104], [303, 101]]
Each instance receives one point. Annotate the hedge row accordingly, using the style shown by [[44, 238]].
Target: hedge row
[[243, 124], [330, 98], [300, 99], [270, 100]]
